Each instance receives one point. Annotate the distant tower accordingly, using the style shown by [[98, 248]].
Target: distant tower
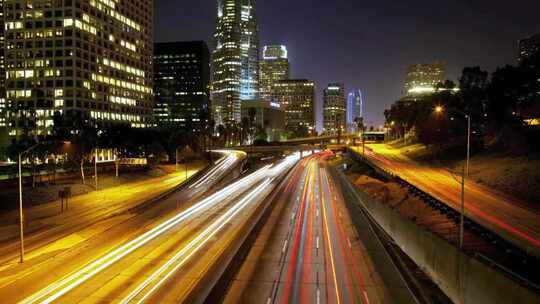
[[355, 109], [235, 59], [334, 108], [423, 78], [274, 67]]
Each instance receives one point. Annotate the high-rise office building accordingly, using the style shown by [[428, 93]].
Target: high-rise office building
[[423, 78], [181, 84], [334, 108], [235, 59], [528, 47], [274, 67], [79, 58], [355, 109], [297, 97], [3, 110], [3, 106]]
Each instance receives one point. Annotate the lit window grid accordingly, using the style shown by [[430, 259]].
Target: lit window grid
[[130, 87]]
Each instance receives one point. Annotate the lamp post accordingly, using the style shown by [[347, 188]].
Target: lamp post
[[465, 171], [21, 213], [95, 168]]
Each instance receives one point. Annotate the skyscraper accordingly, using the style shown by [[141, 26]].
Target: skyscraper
[[235, 59], [528, 47], [274, 67], [355, 109], [91, 59], [334, 108], [423, 78], [3, 111], [3, 106], [181, 84], [297, 97]]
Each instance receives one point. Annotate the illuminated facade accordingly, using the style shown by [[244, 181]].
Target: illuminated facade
[[3, 110], [528, 47], [88, 58], [181, 84], [423, 78], [355, 109], [235, 59], [334, 108], [274, 67], [297, 97]]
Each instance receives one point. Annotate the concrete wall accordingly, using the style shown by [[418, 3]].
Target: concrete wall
[[441, 261]]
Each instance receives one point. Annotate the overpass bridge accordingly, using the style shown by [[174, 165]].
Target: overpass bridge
[[333, 142], [353, 138]]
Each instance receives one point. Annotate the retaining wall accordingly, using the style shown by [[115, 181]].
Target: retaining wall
[[442, 261]]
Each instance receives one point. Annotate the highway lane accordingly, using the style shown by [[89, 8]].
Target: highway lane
[[83, 234], [501, 213], [139, 268], [312, 252]]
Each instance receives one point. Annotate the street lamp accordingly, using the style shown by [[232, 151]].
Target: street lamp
[[21, 220], [465, 171]]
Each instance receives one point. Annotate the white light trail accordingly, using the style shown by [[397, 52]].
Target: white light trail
[[195, 244], [59, 288]]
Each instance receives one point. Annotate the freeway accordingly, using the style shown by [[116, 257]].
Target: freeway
[[309, 251], [510, 218], [164, 261], [105, 212]]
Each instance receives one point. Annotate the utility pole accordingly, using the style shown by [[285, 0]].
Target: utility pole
[[468, 142], [364, 141], [176, 158], [21, 221], [95, 168], [21, 212]]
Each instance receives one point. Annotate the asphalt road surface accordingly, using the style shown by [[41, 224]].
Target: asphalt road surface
[[164, 261], [308, 251]]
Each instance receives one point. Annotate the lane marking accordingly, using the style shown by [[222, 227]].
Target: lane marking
[[285, 246]]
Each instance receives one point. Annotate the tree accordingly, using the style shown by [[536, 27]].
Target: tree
[[222, 134], [473, 85], [85, 138], [245, 127]]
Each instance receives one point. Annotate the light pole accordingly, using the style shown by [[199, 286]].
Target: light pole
[[176, 158], [95, 168], [21, 213], [465, 171]]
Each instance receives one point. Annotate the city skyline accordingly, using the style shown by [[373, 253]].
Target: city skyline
[[352, 152], [359, 59]]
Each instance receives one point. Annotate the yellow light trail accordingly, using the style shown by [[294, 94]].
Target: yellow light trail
[[58, 289], [195, 244], [327, 236]]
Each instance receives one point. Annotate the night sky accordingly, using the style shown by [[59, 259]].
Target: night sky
[[368, 44]]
